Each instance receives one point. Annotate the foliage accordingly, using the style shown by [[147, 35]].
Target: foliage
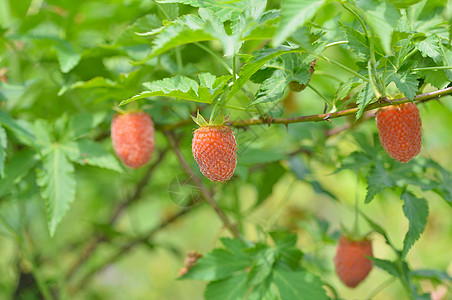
[[66, 66]]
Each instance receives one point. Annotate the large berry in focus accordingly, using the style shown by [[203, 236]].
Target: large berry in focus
[[352, 265], [399, 127], [215, 151], [133, 138]]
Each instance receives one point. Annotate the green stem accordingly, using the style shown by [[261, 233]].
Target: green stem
[[239, 108], [34, 271], [381, 287], [432, 68], [220, 60], [371, 82], [344, 67], [371, 47], [234, 69], [321, 96], [355, 14]]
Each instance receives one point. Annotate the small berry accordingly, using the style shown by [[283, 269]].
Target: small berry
[[352, 265], [215, 151], [133, 138], [399, 127]]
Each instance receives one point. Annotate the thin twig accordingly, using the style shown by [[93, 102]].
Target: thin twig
[[338, 114], [129, 246], [139, 188], [206, 195], [98, 239], [319, 117]]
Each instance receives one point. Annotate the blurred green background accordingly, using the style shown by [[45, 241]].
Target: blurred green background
[[49, 50]]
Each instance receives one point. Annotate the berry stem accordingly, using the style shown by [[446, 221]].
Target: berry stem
[[381, 287]]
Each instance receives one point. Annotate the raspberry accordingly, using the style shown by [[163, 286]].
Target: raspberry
[[215, 151], [352, 265], [399, 127], [133, 138]]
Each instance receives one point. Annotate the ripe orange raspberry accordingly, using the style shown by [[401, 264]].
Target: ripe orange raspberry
[[399, 127], [352, 265], [215, 151], [133, 138]]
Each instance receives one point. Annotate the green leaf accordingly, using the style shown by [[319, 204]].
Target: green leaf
[[416, 211], [219, 264], [42, 130], [184, 30], [251, 156], [81, 124], [262, 266], [23, 133], [232, 288], [96, 82], [378, 229], [429, 48], [68, 58], [436, 275], [273, 172], [3, 145], [180, 87], [17, 167], [272, 88], [57, 182], [286, 248], [382, 18], [215, 27], [265, 28], [263, 291], [252, 67], [355, 161], [289, 67], [365, 96], [386, 265], [294, 13], [88, 152], [298, 285], [443, 185], [397, 269], [437, 78], [358, 42], [377, 181], [405, 81], [224, 10]]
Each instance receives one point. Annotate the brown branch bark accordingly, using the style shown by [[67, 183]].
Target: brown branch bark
[[197, 181], [327, 116], [318, 117]]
